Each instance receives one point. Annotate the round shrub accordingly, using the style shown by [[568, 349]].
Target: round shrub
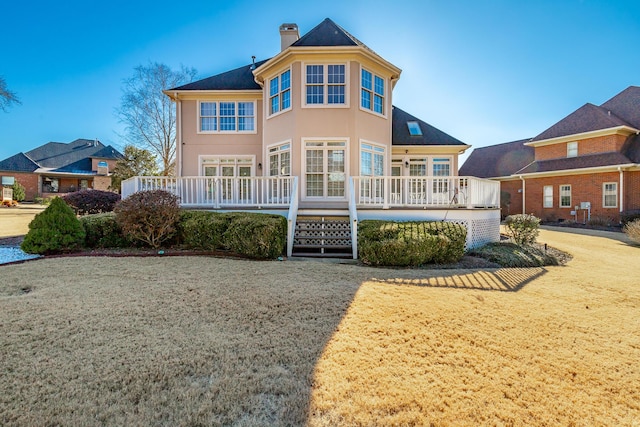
[[523, 229], [102, 231], [632, 229], [92, 201], [149, 217], [54, 230]]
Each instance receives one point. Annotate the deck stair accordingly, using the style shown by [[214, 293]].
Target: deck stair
[[319, 236]]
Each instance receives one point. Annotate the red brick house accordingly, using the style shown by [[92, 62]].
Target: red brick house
[[57, 168], [585, 165]]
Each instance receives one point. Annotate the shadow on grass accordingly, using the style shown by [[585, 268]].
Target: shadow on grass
[[501, 279]]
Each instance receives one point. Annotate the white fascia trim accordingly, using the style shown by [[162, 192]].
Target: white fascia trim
[[622, 130], [435, 149], [609, 168], [192, 94]]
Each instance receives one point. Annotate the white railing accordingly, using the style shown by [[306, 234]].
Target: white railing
[[218, 192], [353, 219], [425, 191], [292, 217]]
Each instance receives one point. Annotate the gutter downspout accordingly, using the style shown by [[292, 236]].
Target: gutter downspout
[[621, 189], [524, 192]]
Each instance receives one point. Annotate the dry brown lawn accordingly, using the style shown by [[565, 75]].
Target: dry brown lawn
[[15, 221], [209, 341]]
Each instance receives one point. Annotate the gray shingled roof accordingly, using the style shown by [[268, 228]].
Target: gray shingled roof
[[587, 118], [498, 160], [18, 163], [239, 79], [626, 105], [328, 33], [580, 162], [430, 135], [62, 157]]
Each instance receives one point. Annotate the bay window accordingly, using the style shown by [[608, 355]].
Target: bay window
[[280, 92], [372, 92], [325, 84]]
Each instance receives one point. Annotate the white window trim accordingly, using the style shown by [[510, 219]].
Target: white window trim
[[228, 132], [544, 197], [303, 85], [385, 102], [569, 206], [604, 184], [572, 144], [267, 96], [265, 167], [386, 167], [411, 159], [303, 169], [203, 157]]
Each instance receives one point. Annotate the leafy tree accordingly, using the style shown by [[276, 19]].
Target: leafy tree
[[148, 114], [18, 191], [7, 97], [136, 162]]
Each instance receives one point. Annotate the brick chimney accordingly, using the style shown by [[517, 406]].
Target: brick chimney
[[288, 35]]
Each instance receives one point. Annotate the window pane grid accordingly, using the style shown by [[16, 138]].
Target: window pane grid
[[280, 92], [372, 92], [565, 196], [610, 195], [227, 116], [329, 88]]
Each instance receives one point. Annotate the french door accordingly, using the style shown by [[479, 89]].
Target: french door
[[325, 173]]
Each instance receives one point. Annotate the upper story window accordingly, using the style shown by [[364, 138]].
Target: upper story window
[[229, 116], [372, 92], [572, 149], [280, 92], [325, 84]]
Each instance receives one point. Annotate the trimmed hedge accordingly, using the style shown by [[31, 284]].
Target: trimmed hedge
[[54, 230], [402, 244], [92, 201], [259, 236], [102, 231], [202, 230]]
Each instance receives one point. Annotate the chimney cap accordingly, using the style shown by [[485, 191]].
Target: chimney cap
[[289, 27]]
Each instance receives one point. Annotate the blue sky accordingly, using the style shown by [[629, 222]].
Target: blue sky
[[485, 72]]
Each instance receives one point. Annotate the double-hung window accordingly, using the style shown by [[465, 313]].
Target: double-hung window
[[547, 196], [280, 92], [325, 84], [227, 116], [565, 196], [572, 149], [371, 165], [610, 195], [372, 92]]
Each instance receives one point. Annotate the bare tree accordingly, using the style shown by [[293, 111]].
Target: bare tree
[[6, 96], [148, 113]]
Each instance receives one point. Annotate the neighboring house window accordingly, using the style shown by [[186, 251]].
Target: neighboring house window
[[84, 184], [572, 149], [280, 92], [372, 92], [50, 185], [565, 196], [227, 116], [325, 169], [547, 194], [325, 84], [610, 195]]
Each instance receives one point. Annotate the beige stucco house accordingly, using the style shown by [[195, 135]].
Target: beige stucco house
[[312, 133]]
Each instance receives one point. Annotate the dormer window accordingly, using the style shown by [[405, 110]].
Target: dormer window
[[572, 149], [414, 129]]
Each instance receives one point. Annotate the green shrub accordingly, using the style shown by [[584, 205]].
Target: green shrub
[[632, 229], [54, 230], [203, 230], [384, 243], [18, 192], [92, 201], [523, 229], [102, 231], [512, 255], [149, 217], [258, 236]]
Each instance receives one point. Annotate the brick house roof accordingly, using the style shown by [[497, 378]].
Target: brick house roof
[[580, 162], [498, 160]]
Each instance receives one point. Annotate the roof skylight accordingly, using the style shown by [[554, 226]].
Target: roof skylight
[[414, 129]]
